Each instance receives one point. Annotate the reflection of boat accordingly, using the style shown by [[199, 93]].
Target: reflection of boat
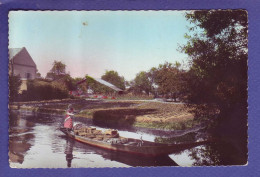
[[134, 161], [130, 145], [130, 159], [120, 157]]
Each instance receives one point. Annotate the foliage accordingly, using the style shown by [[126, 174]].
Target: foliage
[[57, 71], [142, 83], [113, 78], [83, 86], [219, 56], [130, 96], [182, 125], [40, 90], [169, 79], [220, 153], [218, 53], [97, 87], [189, 137], [152, 73], [14, 87], [165, 80], [38, 75], [65, 83]]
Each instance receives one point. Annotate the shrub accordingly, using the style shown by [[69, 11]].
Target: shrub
[[14, 87], [39, 90]]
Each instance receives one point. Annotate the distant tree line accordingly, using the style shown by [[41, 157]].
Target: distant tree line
[[166, 81]]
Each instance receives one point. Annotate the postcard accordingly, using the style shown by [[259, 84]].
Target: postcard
[[95, 89]]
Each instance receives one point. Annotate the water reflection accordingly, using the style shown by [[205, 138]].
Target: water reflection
[[21, 137], [36, 142], [68, 151], [215, 154], [125, 158]]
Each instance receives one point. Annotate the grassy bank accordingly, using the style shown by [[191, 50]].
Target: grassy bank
[[121, 113], [189, 137], [168, 126]]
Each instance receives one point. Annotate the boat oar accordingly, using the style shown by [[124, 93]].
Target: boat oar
[[82, 109]]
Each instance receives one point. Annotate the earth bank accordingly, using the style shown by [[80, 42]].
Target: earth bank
[[126, 113]]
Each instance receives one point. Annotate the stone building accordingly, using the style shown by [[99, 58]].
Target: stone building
[[22, 64]]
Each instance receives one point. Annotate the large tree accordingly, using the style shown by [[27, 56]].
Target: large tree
[[218, 51]]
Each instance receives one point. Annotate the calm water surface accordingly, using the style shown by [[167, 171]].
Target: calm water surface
[[36, 142]]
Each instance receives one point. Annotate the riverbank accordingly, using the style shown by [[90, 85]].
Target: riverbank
[[113, 113]]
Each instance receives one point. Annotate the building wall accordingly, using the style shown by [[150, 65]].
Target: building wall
[[25, 72]]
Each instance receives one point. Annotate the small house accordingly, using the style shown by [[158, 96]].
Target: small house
[[22, 64]]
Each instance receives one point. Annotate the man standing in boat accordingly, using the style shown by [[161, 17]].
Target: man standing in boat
[[68, 123]]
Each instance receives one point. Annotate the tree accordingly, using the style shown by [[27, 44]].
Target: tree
[[38, 75], [152, 73], [83, 86], [218, 74], [57, 71], [97, 87], [14, 87], [142, 83], [113, 78], [168, 78], [58, 67]]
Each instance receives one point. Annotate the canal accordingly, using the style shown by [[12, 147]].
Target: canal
[[35, 141]]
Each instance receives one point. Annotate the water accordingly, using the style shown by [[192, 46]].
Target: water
[[36, 142]]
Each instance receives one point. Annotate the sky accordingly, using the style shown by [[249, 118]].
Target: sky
[[91, 42]]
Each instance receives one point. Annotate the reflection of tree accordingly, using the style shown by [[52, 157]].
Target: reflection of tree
[[219, 153], [68, 151], [18, 146], [19, 137], [205, 156]]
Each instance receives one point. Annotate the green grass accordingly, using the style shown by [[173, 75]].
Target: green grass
[[76, 106], [167, 125], [134, 97], [189, 137]]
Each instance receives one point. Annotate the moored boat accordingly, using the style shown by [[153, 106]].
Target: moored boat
[[111, 140]]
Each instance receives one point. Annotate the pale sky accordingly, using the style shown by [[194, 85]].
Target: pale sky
[[91, 42]]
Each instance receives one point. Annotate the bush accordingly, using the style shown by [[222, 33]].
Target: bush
[[14, 87], [37, 91]]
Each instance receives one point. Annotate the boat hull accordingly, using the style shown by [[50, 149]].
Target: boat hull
[[144, 149]]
